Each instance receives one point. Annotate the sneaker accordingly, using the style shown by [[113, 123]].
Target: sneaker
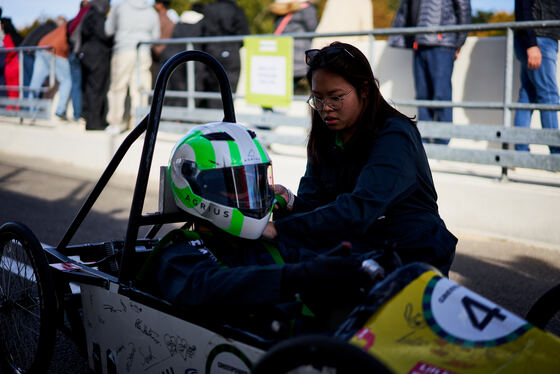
[[79, 123], [61, 117]]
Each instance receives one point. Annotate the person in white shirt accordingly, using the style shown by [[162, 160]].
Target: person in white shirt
[[130, 22]]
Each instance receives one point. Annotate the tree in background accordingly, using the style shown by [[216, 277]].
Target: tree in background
[[262, 22], [24, 31], [383, 13], [490, 17]]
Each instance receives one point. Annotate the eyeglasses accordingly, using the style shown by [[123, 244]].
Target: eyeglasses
[[330, 52], [334, 102]]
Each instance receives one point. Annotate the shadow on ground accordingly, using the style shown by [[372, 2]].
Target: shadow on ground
[[515, 282]]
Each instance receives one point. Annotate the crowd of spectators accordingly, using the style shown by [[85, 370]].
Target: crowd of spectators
[[95, 57], [95, 53]]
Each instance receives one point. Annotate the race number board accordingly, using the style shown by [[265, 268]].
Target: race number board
[[463, 317], [434, 325]]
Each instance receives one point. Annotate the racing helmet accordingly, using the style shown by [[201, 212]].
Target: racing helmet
[[220, 172]]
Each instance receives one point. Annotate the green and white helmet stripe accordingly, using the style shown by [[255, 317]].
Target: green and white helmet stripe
[[215, 146]]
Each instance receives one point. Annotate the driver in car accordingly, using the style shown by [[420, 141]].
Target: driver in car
[[221, 269]]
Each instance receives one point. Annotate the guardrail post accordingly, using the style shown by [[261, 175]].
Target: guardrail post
[[51, 74], [190, 79], [20, 74], [371, 51], [138, 81], [508, 87]]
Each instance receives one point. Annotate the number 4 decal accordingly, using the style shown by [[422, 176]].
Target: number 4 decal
[[471, 305]]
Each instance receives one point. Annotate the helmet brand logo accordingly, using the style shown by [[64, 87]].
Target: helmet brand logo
[[191, 200], [251, 156], [214, 210]]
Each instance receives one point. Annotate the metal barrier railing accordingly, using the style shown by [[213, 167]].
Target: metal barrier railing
[[22, 106], [508, 26], [503, 134]]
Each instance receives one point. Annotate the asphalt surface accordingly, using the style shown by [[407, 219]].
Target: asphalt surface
[[46, 196]]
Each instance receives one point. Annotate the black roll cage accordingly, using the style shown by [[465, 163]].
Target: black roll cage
[[150, 125]]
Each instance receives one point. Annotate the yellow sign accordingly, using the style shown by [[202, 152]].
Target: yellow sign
[[269, 62], [434, 325]]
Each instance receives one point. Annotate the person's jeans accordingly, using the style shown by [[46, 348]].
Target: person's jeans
[[538, 86], [76, 91], [28, 61], [433, 67], [41, 69], [2, 77]]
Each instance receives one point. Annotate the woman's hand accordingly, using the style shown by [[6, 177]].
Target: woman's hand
[[287, 195], [270, 231]]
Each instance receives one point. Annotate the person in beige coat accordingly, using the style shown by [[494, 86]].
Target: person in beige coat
[[130, 22], [345, 16]]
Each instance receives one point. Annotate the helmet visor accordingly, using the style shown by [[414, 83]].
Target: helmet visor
[[248, 188]]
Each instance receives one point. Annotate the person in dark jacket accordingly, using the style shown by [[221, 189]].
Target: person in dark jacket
[[223, 18], [189, 25], [166, 32], [95, 57], [74, 33], [434, 54], [537, 51], [368, 180], [295, 17], [222, 265]]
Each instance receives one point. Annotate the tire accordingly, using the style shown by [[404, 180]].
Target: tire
[[320, 352], [28, 306], [545, 312]]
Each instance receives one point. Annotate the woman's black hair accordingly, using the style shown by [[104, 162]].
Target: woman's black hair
[[351, 64]]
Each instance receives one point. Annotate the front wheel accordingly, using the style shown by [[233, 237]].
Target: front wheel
[[320, 353], [27, 302]]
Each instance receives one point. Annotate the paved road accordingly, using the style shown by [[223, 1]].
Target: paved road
[[46, 196]]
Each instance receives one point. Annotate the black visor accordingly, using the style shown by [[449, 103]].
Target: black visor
[[248, 188]]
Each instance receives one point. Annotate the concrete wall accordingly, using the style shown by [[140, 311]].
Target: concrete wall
[[478, 75]]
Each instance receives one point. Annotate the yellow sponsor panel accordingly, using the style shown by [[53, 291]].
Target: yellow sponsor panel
[[435, 326]]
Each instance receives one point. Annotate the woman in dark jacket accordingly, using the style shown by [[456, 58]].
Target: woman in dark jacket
[[295, 17], [367, 180], [223, 18], [95, 57]]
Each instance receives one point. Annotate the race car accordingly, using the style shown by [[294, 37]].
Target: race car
[[412, 321]]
